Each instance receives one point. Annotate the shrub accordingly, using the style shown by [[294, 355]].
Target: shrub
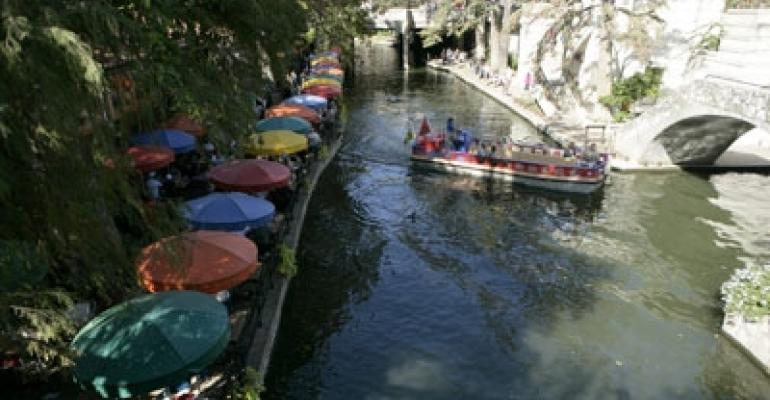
[[249, 387], [287, 264], [710, 42], [747, 292], [627, 91]]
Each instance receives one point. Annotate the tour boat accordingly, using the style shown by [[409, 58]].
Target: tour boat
[[529, 165]]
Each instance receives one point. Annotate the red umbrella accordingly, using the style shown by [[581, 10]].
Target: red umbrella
[[294, 110], [250, 175], [150, 158], [326, 91], [206, 261], [184, 123]]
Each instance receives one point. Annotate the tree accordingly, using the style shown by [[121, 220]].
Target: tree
[[69, 202], [455, 17]]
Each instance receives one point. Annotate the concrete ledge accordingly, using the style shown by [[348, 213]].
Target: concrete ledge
[[266, 331], [753, 338], [628, 166]]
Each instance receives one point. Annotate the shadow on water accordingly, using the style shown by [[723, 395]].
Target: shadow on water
[[425, 285]]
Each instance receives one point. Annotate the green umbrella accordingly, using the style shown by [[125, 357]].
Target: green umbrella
[[150, 342], [294, 124]]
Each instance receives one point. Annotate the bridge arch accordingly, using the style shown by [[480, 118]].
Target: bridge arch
[[692, 126], [701, 139]]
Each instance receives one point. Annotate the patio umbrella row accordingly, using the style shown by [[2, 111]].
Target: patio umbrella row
[[161, 338], [326, 76]]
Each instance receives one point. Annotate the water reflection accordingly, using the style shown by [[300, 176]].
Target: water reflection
[[423, 285]]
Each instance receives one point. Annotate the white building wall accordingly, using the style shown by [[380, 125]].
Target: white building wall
[[533, 27], [685, 23]]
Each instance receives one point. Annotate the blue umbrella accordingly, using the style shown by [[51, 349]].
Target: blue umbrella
[[228, 212], [308, 100], [294, 124], [180, 142]]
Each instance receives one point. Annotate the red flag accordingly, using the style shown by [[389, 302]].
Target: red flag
[[424, 127]]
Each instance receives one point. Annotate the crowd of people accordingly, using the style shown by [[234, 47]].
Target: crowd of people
[[502, 78]]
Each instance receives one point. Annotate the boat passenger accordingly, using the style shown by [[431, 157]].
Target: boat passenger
[[450, 125], [591, 155], [483, 151], [460, 140], [508, 150], [474, 147], [570, 151]]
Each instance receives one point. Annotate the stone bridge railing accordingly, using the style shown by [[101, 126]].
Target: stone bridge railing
[[648, 139], [394, 18]]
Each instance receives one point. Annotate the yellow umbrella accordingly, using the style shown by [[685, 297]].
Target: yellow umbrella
[[275, 143], [321, 81]]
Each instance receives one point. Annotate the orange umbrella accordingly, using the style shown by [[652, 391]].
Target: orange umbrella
[[148, 158], [184, 123], [294, 110], [206, 261]]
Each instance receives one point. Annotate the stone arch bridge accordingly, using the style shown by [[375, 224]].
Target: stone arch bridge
[[694, 125]]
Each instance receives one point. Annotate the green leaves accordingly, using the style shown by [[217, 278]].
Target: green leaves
[[15, 30], [287, 264], [627, 91], [79, 56], [22, 265], [455, 18], [747, 292]]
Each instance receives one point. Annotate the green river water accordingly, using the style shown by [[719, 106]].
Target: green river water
[[420, 285]]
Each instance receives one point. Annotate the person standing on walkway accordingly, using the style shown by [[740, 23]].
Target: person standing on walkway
[[153, 186], [527, 81]]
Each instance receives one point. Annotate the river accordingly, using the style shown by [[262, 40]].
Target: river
[[420, 285]]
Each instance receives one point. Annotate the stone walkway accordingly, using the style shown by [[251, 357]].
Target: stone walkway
[[751, 337], [524, 104]]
